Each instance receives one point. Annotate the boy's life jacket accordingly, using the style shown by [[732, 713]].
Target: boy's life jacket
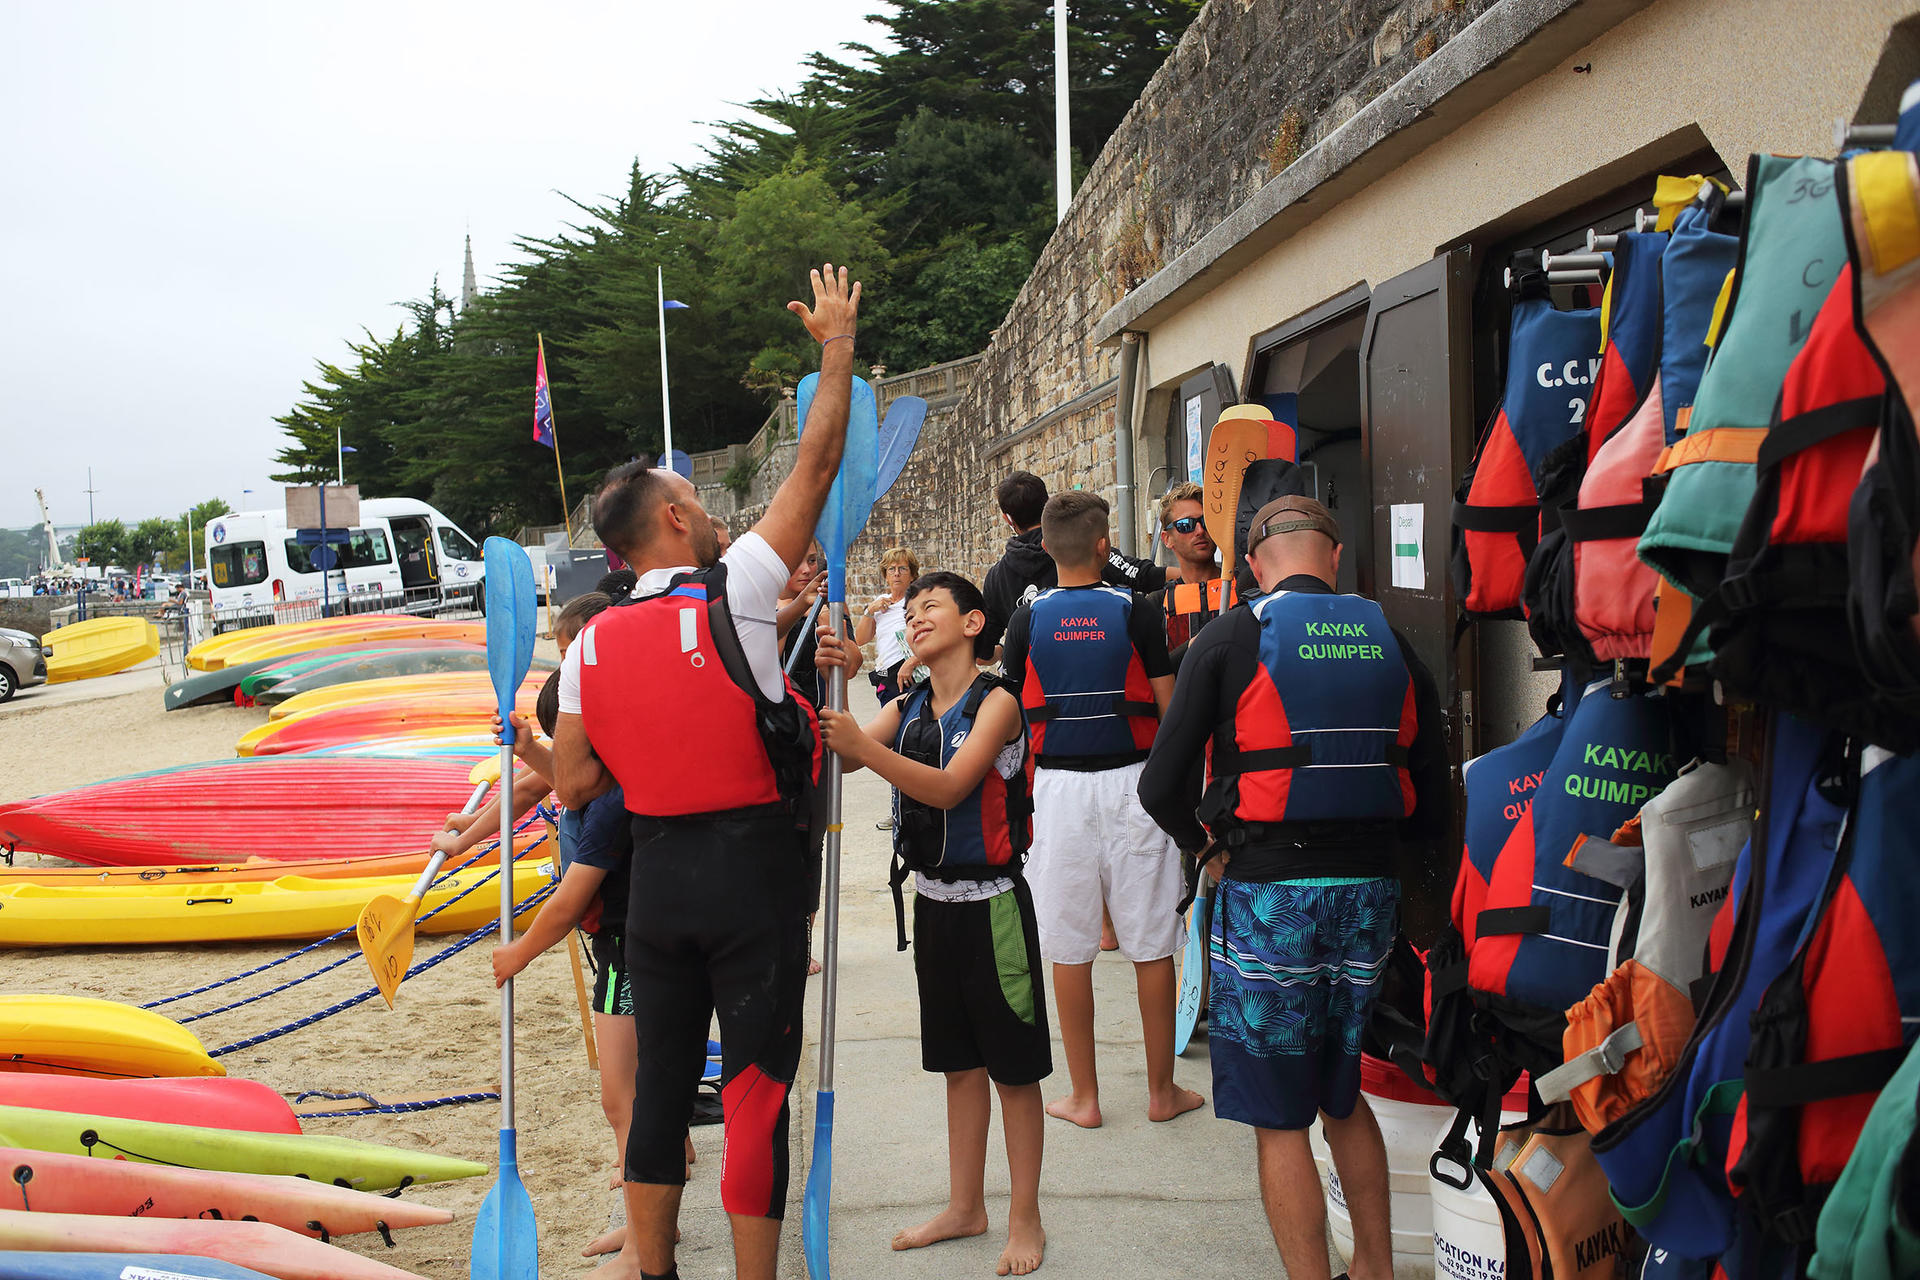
[[1541, 937], [1882, 203], [1675, 863], [1496, 514], [1791, 248], [674, 659], [1318, 739], [986, 835], [1583, 596], [1837, 1023], [1086, 693], [1667, 1157]]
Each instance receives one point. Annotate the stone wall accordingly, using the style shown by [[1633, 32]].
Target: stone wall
[[1252, 85], [32, 614]]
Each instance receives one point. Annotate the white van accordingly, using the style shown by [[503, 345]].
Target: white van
[[402, 555]]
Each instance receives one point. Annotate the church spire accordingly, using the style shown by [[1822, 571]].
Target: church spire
[[467, 286]]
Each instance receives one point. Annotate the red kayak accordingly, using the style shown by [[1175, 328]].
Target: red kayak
[[214, 1102], [363, 721], [286, 807]]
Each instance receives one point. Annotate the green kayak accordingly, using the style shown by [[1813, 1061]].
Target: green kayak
[[300, 664], [203, 688], [414, 662], [365, 1166]]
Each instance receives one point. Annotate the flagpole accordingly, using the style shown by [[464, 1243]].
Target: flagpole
[[553, 425], [1062, 154], [666, 409]]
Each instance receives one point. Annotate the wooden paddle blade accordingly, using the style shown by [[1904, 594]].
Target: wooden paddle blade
[[1258, 412], [1235, 443], [385, 931]]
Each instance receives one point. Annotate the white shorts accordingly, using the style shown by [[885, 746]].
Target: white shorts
[[1093, 844]]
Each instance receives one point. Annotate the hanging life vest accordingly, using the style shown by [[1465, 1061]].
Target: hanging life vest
[[1836, 1024], [1086, 694], [986, 835], [1624, 1039], [1791, 248], [1329, 707], [674, 658], [1667, 1157], [1496, 513], [1882, 202], [1582, 598]]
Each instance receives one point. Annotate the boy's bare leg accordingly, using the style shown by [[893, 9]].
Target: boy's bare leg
[[653, 1215], [1024, 1119], [1296, 1209], [1360, 1158], [756, 1247], [1165, 1099], [969, 1111], [1073, 992], [1108, 941], [613, 1036]]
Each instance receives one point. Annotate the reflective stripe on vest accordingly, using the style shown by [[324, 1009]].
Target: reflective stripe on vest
[[1496, 519], [1331, 705], [1542, 936], [662, 710], [1086, 693]]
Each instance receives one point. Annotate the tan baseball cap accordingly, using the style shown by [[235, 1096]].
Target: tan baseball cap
[[1290, 514]]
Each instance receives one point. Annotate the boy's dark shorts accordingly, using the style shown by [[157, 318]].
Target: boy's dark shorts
[[612, 992], [983, 1002]]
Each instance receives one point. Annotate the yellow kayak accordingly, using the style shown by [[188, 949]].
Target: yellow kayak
[[100, 647], [426, 685], [81, 1036], [276, 642], [467, 715], [167, 913], [215, 646]]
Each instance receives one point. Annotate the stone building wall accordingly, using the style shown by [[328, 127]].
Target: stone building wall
[[1252, 85]]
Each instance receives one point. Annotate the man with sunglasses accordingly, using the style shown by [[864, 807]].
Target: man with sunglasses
[[1195, 593]]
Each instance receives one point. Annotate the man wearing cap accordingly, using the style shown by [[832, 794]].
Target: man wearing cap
[[1318, 732]]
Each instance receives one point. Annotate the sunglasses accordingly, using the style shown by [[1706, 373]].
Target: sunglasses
[[1185, 524]]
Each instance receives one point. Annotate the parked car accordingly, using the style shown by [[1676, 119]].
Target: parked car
[[23, 662]]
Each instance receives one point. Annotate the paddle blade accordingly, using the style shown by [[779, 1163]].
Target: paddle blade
[[1235, 443], [386, 939], [813, 1214], [898, 434], [510, 619], [505, 1241], [1193, 968], [851, 498]]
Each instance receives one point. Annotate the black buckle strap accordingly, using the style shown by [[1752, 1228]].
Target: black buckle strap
[[1503, 921], [1591, 524], [1496, 519], [1127, 707], [1235, 760], [1805, 1082], [1814, 427]]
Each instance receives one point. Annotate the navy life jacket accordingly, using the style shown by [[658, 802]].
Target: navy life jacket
[[1496, 514], [1330, 708], [674, 658], [1667, 1157], [986, 835], [1837, 1023], [1086, 694]]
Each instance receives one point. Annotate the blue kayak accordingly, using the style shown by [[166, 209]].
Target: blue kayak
[[120, 1266]]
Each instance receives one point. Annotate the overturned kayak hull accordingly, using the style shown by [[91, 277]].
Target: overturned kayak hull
[[341, 726], [78, 1035], [39, 1265], [272, 642], [228, 810], [262, 1246], [99, 647], [219, 1102]]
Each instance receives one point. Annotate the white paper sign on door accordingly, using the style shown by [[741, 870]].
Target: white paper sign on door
[[1406, 531], [1194, 467]]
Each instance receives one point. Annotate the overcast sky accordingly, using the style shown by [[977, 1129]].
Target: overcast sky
[[200, 200]]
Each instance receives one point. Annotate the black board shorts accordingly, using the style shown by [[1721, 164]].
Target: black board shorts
[[983, 1001]]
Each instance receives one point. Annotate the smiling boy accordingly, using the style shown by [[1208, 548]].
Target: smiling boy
[[954, 749]]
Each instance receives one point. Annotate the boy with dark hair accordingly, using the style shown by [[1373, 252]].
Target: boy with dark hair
[[1090, 664], [954, 749], [1026, 570]]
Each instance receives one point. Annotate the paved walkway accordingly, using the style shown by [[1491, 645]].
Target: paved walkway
[[148, 675]]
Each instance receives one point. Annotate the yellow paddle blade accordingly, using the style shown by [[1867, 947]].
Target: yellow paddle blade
[[1259, 412], [386, 939], [487, 770]]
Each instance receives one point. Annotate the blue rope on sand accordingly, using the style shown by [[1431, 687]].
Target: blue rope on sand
[[355, 953], [385, 1108], [295, 954], [370, 992]]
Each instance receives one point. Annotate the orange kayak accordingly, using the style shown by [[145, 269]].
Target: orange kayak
[[259, 1245]]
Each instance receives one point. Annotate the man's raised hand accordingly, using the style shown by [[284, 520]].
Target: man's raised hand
[[836, 308]]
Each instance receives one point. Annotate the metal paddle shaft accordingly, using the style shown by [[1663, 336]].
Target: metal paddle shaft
[[830, 946], [813, 615], [506, 922]]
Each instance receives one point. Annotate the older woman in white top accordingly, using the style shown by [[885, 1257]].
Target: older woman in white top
[[884, 622]]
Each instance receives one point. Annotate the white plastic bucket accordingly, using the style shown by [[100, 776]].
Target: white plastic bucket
[[1407, 1116], [1469, 1242]]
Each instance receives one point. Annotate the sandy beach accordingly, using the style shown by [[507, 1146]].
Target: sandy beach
[[441, 1039]]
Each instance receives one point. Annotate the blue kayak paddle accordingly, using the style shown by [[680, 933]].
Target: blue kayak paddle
[[898, 432], [849, 502], [505, 1244]]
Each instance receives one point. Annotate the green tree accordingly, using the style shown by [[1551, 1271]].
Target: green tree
[[102, 543], [961, 295], [21, 553]]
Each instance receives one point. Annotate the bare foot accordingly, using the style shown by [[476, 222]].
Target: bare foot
[[1085, 1113], [614, 1241], [690, 1155], [1176, 1102], [813, 966], [950, 1224], [1026, 1246], [1108, 942]]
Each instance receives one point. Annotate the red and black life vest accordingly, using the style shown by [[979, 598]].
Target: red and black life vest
[[1189, 606], [672, 709], [1496, 514], [1086, 693], [986, 835], [1321, 732]]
